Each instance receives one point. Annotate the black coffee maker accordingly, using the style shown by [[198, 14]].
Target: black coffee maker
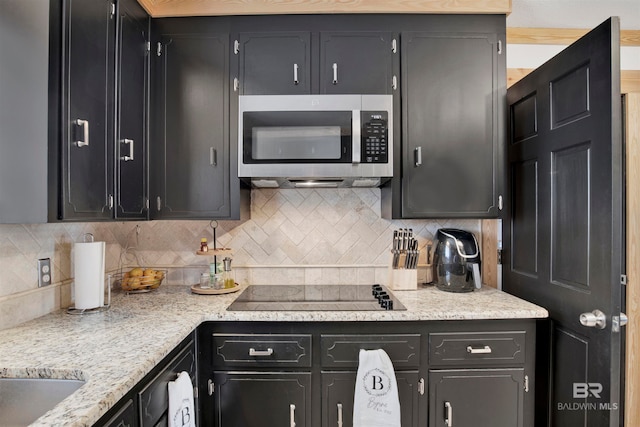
[[457, 261]]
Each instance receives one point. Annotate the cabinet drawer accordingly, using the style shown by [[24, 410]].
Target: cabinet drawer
[[477, 348], [154, 397], [261, 350], [344, 350]]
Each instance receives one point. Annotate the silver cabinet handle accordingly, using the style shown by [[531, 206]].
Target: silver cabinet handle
[[295, 74], [356, 137], [292, 415], [254, 352], [130, 156], [335, 73], [595, 319], [479, 350], [85, 134], [339, 414], [236, 84], [448, 416], [213, 156], [417, 156]]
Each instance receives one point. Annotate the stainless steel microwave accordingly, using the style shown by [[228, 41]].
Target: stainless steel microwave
[[315, 140]]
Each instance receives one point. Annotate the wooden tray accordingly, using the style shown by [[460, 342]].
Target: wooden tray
[[196, 289], [216, 252]]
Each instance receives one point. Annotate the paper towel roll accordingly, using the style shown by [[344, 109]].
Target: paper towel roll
[[88, 267]]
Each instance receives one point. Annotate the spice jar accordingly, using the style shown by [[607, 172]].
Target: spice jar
[[203, 245]]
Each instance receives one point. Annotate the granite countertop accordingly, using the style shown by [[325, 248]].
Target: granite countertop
[[113, 350]]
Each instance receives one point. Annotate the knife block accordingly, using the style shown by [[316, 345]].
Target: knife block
[[402, 279]]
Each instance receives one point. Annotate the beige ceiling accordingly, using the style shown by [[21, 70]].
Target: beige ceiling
[[573, 13]]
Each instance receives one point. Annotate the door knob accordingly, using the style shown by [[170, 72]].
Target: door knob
[[594, 319]]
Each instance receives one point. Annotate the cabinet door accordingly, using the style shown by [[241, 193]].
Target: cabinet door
[[275, 63], [262, 399], [452, 106], [476, 398], [190, 155], [88, 88], [338, 393], [125, 417], [131, 140], [358, 63]]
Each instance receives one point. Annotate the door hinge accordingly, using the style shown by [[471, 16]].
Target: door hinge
[[421, 386], [236, 47], [526, 383], [159, 49], [394, 46], [211, 387], [499, 47], [499, 256], [623, 279]]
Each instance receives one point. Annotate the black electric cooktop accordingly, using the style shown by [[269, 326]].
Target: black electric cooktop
[[316, 298]]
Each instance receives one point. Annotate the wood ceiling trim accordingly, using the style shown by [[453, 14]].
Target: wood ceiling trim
[[167, 8], [629, 79], [562, 36]]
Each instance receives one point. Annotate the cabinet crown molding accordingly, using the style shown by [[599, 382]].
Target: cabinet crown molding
[[169, 8]]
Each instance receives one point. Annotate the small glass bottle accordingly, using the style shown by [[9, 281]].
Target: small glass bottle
[[203, 245], [228, 275], [215, 277]]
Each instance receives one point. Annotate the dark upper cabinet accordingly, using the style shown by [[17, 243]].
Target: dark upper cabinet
[[274, 63], [453, 90], [87, 106], [357, 62], [102, 118], [190, 154], [132, 96], [290, 63]]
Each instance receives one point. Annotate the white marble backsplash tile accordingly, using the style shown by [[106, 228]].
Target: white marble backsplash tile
[[292, 236]]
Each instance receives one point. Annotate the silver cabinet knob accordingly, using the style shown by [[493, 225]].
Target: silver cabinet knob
[[594, 319]]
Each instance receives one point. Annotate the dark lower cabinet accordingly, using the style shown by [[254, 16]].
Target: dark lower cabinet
[[476, 397], [126, 416], [272, 374], [261, 399], [338, 390], [147, 404], [190, 156]]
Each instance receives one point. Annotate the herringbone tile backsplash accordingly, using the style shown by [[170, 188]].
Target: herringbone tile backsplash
[[292, 236]]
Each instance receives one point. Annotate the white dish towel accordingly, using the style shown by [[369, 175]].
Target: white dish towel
[[376, 402], [181, 407]]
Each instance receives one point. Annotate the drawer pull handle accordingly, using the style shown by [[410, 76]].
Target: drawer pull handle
[[482, 350], [448, 416], [292, 415], [339, 414], [254, 352]]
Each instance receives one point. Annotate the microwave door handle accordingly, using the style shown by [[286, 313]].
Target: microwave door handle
[[356, 136]]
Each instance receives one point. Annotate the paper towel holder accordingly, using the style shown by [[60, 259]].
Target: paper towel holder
[[105, 307]]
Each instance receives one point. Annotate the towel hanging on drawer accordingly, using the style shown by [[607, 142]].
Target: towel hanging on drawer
[[376, 402], [181, 407]]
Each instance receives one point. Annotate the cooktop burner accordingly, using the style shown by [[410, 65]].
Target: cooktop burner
[[316, 298]]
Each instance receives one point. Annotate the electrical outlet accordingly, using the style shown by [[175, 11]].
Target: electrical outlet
[[44, 272]]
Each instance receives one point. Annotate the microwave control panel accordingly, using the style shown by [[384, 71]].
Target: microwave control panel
[[375, 142]]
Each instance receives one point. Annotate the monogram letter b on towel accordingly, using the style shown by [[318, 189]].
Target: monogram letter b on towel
[[376, 402]]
